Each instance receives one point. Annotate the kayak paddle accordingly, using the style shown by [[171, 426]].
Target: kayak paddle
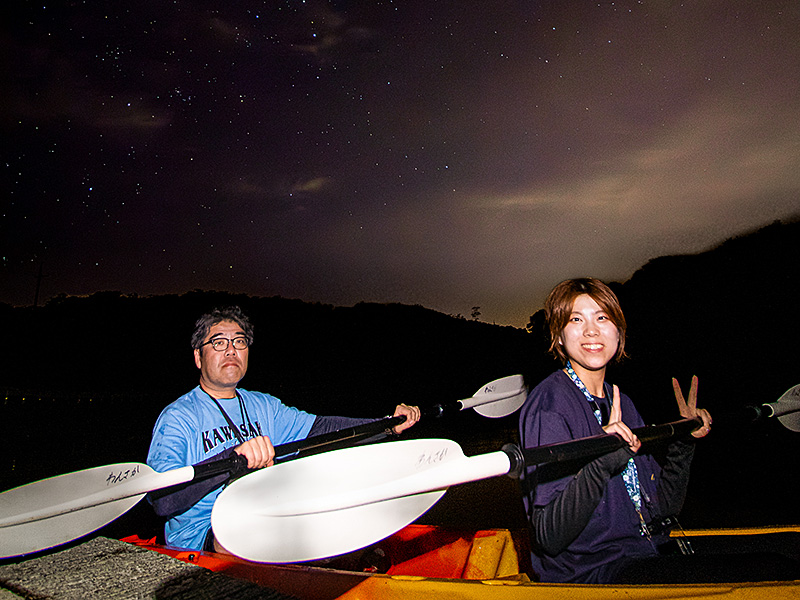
[[786, 408], [498, 398], [59, 509], [341, 501]]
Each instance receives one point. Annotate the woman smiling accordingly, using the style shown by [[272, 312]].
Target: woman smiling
[[590, 523]]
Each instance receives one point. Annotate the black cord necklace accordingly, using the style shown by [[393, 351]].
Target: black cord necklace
[[242, 411], [245, 416]]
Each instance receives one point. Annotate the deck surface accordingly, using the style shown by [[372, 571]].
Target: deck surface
[[108, 569]]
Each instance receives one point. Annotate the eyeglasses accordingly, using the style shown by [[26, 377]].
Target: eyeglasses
[[221, 344]]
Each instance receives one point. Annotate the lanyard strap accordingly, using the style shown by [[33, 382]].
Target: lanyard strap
[[582, 387], [242, 410], [630, 476]]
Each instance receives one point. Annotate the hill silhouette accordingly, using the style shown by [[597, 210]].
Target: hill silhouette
[[728, 315], [724, 315], [323, 356], [85, 377]]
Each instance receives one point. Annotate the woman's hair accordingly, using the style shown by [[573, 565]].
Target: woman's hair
[[218, 315], [558, 309]]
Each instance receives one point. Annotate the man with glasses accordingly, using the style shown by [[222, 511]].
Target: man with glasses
[[217, 419]]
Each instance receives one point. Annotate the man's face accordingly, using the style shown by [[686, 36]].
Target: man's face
[[221, 371]]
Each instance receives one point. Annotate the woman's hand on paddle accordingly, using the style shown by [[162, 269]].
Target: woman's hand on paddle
[[689, 409], [616, 426], [411, 413], [258, 451]]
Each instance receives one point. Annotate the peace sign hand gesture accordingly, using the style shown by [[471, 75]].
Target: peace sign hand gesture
[[616, 426], [689, 409]]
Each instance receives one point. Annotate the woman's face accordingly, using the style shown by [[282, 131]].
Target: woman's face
[[590, 338]]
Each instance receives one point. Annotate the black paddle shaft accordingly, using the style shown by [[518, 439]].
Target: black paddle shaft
[[591, 447], [236, 464], [348, 434]]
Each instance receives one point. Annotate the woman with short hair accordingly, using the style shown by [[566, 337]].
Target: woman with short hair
[[590, 522]]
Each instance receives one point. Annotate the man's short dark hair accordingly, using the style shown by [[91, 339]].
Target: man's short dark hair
[[218, 315]]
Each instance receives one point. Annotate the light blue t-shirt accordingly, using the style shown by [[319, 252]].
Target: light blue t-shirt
[[192, 429]]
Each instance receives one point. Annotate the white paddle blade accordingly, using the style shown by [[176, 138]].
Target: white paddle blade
[[18, 540], [510, 392], [787, 409], [47, 513], [53, 511], [300, 538], [243, 525]]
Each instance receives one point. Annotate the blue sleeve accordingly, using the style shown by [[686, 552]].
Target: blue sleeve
[[169, 447], [279, 422]]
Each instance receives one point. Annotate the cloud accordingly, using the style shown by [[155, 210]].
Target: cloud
[[129, 117], [332, 35], [57, 88], [718, 169], [224, 29], [716, 155], [242, 186], [313, 186]]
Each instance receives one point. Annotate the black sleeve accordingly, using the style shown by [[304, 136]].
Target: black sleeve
[[675, 477], [174, 500], [327, 424], [324, 425], [556, 525]]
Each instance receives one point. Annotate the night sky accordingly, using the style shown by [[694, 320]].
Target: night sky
[[442, 153]]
